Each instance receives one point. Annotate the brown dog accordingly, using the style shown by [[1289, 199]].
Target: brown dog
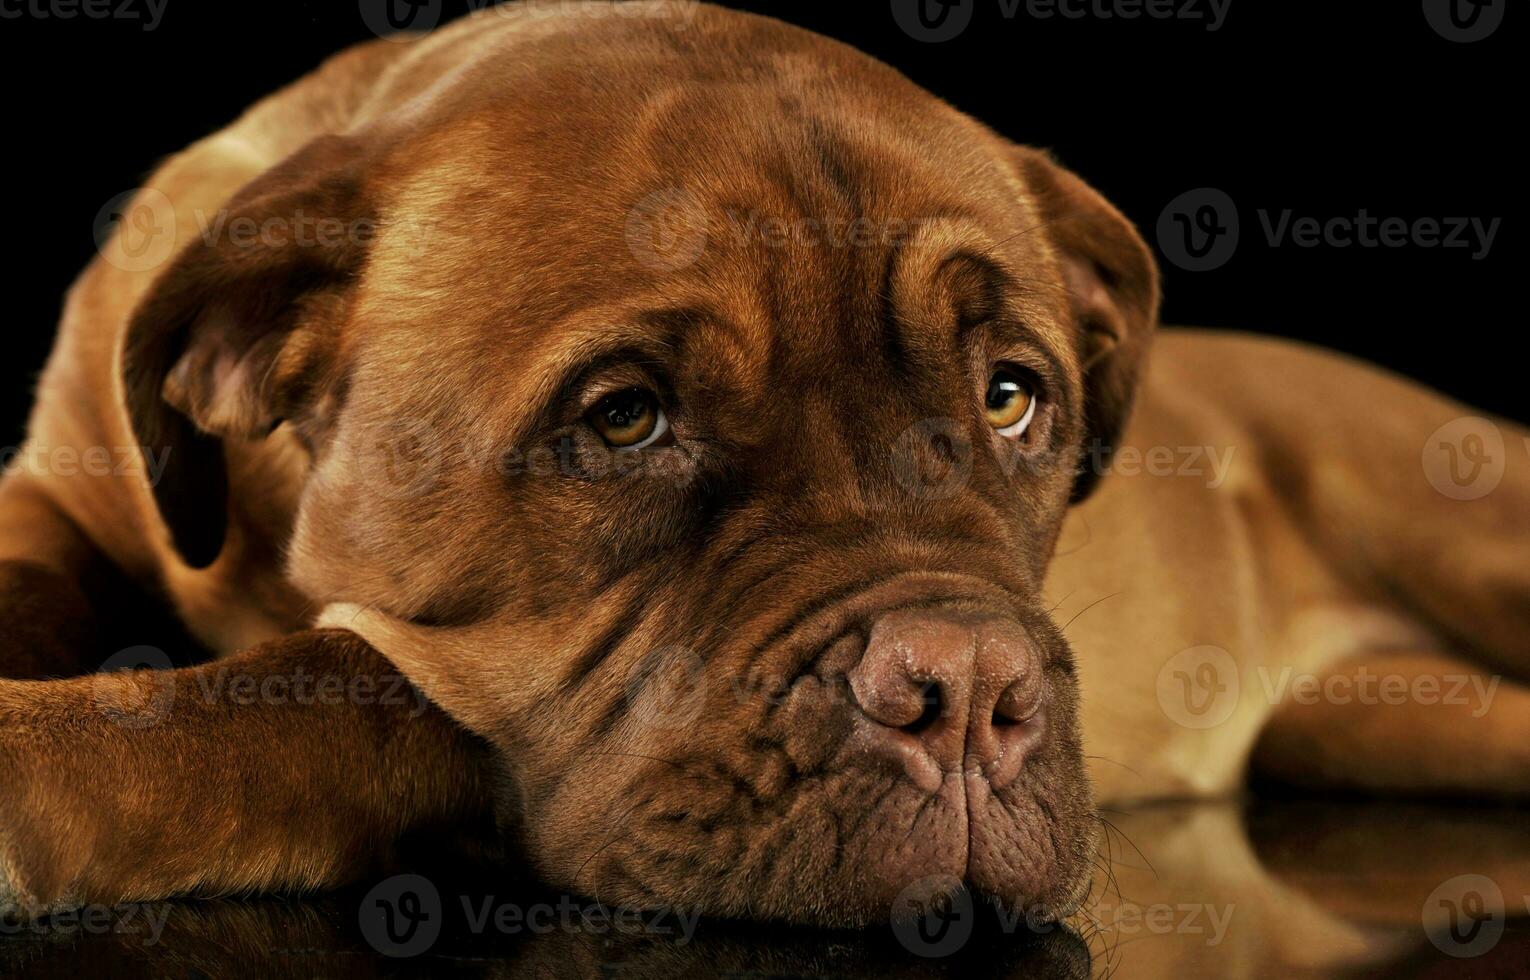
[[692, 408]]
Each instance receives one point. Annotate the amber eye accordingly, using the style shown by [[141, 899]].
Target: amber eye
[[629, 419], [1010, 402]]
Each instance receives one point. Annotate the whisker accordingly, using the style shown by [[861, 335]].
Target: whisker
[[1114, 763], [1086, 609], [1133, 844]]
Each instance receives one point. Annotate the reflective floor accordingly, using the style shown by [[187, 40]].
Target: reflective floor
[[1265, 890]]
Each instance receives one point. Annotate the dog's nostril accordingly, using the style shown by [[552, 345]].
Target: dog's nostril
[[1017, 704], [930, 697]]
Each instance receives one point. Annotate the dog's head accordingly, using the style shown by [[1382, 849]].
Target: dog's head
[[695, 422]]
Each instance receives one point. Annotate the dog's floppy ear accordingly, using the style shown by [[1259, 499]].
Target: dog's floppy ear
[[240, 332], [1113, 283]]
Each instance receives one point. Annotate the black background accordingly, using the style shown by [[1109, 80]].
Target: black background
[[1321, 108]]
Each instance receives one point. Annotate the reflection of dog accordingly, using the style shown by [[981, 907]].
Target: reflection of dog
[[730, 560]]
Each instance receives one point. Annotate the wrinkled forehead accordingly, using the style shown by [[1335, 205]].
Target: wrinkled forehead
[[736, 229]]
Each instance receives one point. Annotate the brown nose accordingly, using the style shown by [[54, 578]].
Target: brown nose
[[949, 691]]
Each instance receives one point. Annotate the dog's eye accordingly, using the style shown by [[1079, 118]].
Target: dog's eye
[[1010, 403], [630, 419]]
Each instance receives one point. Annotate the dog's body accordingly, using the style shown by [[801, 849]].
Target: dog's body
[[1281, 515]]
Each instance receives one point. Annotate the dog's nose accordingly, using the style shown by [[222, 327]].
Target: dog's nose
[[943, 691]]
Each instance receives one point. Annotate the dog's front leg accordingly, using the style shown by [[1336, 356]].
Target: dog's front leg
[[296, 765]]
